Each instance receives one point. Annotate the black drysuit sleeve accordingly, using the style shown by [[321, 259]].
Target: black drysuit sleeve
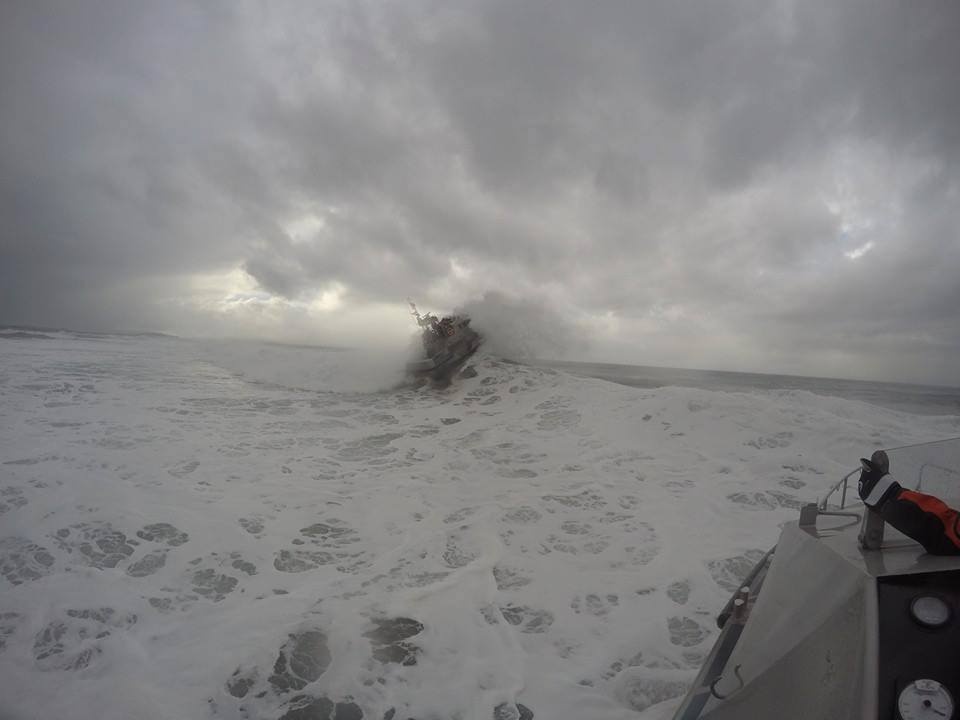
[[925, 518]]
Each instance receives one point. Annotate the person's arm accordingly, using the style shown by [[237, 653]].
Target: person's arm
[[925, 518]]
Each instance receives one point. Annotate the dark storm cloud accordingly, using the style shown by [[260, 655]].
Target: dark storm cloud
[[776, 177], [101, 182]]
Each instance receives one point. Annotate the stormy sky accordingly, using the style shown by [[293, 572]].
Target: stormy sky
[[769, 186]]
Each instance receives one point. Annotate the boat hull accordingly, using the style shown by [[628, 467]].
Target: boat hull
[[826, 633], [445, 362]]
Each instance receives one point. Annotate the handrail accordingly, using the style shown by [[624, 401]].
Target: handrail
[[935, 466], [810, 513], [843, 483], [839, 513], [822, 505]]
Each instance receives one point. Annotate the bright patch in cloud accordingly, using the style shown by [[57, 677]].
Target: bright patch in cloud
[[222, 289], [458, 270], [305, 228], [859, 252], [330, 299]]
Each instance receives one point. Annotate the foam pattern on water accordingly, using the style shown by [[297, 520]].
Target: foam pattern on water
[[181, 540]]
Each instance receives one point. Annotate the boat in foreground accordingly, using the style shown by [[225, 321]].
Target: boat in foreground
[[845, 617]]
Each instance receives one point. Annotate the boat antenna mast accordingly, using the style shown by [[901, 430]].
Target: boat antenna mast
[[422, 320]]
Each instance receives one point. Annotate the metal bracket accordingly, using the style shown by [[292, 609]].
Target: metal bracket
[[871, 532], [808, 514], [713, 685]]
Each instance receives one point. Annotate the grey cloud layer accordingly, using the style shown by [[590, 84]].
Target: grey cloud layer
[[695, 170]]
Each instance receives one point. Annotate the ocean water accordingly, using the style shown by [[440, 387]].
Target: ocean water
[[241, 530], [911, 398]]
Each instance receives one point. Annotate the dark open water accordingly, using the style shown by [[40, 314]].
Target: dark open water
[[918, 399]]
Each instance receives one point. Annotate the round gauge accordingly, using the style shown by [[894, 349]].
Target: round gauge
[[930, 611], [925, 700]]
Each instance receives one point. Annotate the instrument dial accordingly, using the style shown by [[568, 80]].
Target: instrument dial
[[925, 700], [930, 611]]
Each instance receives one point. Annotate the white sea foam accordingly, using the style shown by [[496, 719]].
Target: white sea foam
[[207, 531], [302, 367]]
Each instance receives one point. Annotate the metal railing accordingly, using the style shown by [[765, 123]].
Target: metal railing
[[840, 485], [935, 464]]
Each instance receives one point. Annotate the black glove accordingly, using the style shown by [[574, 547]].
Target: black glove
[[874, 476]]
